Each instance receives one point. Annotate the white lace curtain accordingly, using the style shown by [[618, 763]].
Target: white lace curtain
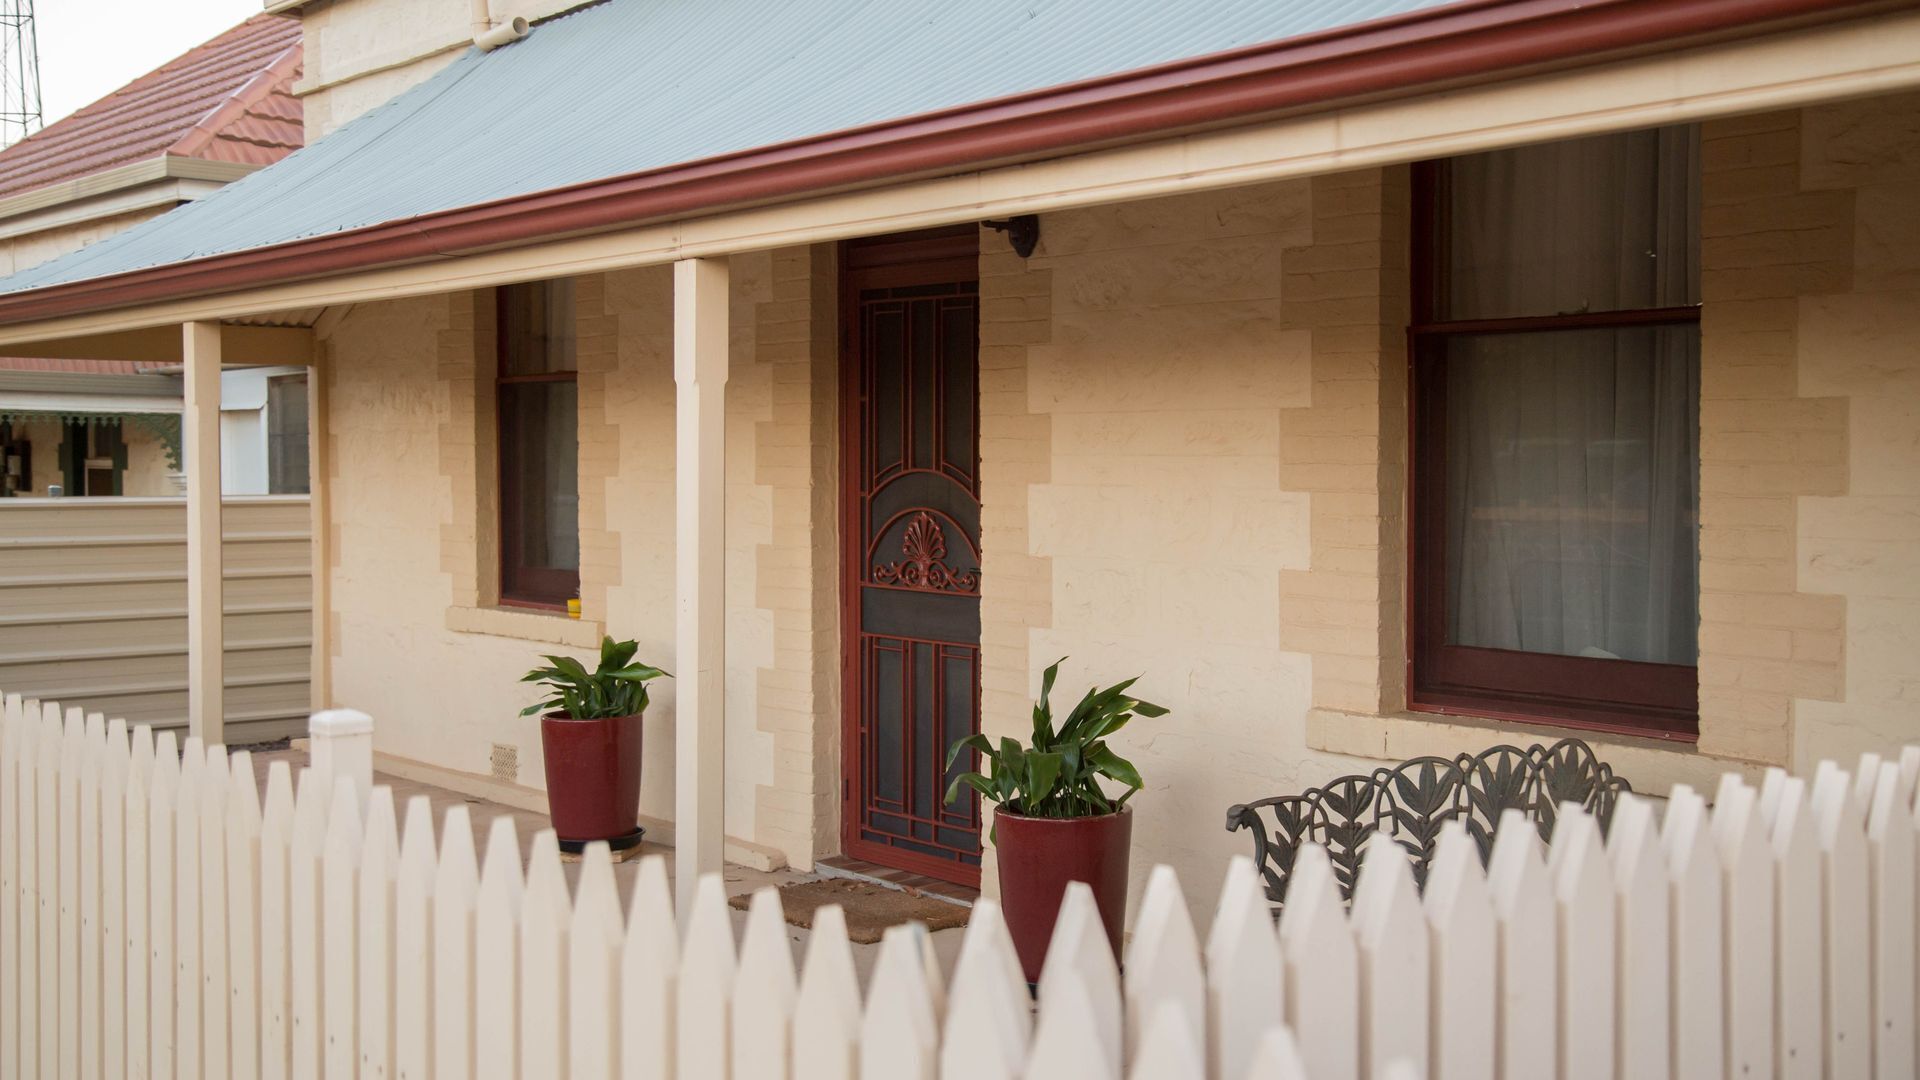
[[1573, 454]]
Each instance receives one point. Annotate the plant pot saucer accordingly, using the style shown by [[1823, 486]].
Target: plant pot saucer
[[623, 847]]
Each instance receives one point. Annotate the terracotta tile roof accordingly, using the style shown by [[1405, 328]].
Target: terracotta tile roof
[[227, 100], [78, 367]]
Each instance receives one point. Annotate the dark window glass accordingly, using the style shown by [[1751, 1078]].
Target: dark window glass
[[1557, 456], [287, 435], [538, 404]]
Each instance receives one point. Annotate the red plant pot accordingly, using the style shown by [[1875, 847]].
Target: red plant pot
[[593, 775], [1037, 858]]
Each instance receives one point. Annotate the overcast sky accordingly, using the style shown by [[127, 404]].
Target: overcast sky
[[89, 48]]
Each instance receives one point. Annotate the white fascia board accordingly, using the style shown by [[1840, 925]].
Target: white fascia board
[[190, 178], [32, 401]]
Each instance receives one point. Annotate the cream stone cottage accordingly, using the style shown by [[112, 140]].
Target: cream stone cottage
[[1374, 378]]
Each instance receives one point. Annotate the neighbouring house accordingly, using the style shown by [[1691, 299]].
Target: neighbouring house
[[93, 592], [89, 426], [1373, 379]]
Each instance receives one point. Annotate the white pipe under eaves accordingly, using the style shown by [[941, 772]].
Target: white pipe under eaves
[[505, 34], [488, 37]]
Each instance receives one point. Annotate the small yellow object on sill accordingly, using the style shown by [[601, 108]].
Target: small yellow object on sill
[[573, 608]]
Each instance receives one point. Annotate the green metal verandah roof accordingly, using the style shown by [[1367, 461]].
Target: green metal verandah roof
[[628, 86]]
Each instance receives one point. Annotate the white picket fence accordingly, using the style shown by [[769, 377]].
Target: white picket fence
[[160, 919]]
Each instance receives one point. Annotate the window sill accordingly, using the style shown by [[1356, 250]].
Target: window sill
[[1652, 766], [527, 624]]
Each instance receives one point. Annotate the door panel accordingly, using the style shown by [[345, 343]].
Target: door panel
[[912, 562]]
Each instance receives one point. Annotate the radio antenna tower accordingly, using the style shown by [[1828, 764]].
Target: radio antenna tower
[[19, 72]]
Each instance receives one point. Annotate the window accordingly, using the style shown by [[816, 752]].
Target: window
[[1556, 381], [287, 435], [92, 457], [538, 403]]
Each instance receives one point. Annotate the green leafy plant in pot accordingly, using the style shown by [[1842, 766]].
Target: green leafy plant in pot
[[590, 733], [1056, 822]]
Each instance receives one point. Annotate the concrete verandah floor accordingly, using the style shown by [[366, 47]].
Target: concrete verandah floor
[[739, 879]]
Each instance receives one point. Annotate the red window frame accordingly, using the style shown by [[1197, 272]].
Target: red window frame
[[521, 585], [1621, 696]]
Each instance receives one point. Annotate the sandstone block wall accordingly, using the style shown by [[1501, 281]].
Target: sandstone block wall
[[1192, 418], [416, 547], [1765, 242], [1857, 343]]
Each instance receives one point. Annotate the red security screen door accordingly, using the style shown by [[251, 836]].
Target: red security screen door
[[911, 571]]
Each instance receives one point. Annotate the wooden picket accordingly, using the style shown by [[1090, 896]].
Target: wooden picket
[[593, 969], [161, 930], [1846, 974], [650, 980], [1642, 906], [1696, 936], [1391, 934], [215, 988], [899, 1035], [306, 1003], [1464, 951], [765, 988], [544, 926], [987, 1024], [1891, 916], [1080, 956], [91, 850], [1746, 895], [162, 916], [244, 823], [138, 1045], [1245, 994], [1797, 926], [373, 934], [496, 917], [1527, 978], [1322, 981], [9, 895], [67, 902], [1163, 966], [413, 945], [48, 849], [113, 892], [339, 952], [456, 884]]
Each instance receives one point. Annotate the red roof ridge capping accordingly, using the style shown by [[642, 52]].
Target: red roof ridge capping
[[276, 78], [218, 101], [1399, 54]]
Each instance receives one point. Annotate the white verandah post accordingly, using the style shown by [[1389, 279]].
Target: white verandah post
[[200, 445], [700, 555]]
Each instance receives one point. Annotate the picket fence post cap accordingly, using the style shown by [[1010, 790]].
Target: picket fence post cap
[[331, 722]]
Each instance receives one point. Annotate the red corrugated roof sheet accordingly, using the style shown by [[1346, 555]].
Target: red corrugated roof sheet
[[80, 367], [227, 100]]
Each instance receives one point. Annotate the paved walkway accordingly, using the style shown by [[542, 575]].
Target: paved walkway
[[739, 879]]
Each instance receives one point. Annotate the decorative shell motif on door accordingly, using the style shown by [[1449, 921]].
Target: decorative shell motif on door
[[924, 566]]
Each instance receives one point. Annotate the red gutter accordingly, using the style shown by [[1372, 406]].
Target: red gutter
[[1472, 39]]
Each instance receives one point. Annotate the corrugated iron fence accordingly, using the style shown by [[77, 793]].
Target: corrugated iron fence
[[93, 608], [160, 917]]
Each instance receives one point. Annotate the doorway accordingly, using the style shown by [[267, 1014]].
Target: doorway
[[911, 548]]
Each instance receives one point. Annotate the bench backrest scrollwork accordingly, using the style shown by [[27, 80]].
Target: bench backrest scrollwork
[[1409, 802]]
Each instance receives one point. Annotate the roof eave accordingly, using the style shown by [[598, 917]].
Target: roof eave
[[1474, 40], [156, 169]]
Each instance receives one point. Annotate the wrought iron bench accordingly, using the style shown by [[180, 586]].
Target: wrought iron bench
[[1412, 800]]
